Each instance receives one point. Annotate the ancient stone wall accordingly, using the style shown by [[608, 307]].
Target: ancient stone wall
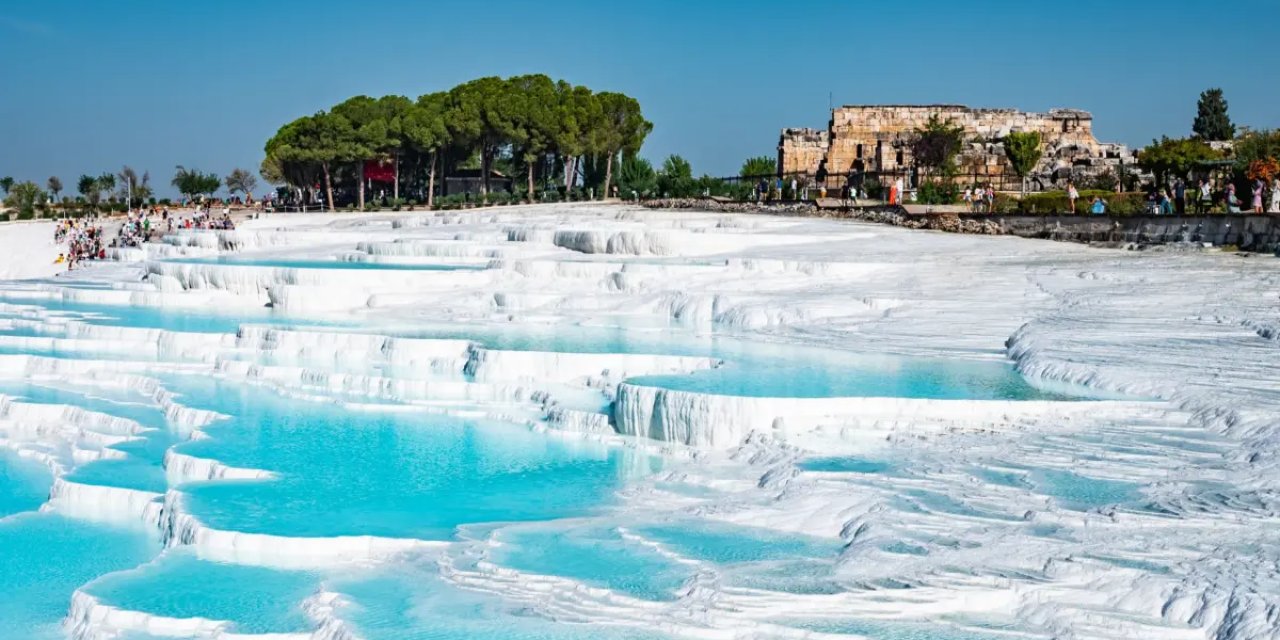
[[802, 150], [877, 138]]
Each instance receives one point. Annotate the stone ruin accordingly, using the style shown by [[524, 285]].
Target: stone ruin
[[876, 139]]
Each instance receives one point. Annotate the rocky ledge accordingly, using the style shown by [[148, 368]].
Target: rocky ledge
[[731, 206], [883, 215]]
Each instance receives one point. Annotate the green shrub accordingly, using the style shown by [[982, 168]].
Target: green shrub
[[1049, 202], [1127, 204], [453, 201], [1055, 202], [1007, 205], [938, 193]]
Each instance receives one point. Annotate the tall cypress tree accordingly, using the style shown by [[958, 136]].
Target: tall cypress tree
[[1212, 121]]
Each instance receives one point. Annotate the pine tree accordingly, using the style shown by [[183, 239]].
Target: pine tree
[[1212, 121]]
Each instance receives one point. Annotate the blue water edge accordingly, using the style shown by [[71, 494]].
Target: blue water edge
[[46, 557], [180, 585], [854, 376], [389, 473]]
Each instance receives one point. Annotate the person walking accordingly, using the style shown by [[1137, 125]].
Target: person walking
[[1072, 195], [1180, 197], [1275, 195], [1233, 203], [1258, 186], [1206, 197]]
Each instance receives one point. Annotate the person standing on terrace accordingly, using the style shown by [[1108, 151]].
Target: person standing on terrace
[[1233, 203]]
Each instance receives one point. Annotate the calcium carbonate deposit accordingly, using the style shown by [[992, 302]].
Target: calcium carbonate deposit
[[606, 422]]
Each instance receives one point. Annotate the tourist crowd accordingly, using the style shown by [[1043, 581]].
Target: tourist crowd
[[85, 238], [979, 198], [1173, 198]]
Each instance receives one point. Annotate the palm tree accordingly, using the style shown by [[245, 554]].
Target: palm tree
[[242, 181], [759, 166], [131, 186], [55, 186]]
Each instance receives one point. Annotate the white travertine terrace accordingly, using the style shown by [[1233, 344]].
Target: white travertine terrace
[[1181, 346]]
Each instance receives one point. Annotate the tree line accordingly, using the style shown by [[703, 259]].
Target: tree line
[[126, 189], [1249, 156], [545, 129]]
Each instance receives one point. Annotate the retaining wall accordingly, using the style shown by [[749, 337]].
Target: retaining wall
[[1249, 232]]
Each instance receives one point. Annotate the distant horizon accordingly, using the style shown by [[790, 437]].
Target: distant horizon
[[720, 82]]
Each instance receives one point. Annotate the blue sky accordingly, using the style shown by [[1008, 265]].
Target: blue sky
[[89, 86]]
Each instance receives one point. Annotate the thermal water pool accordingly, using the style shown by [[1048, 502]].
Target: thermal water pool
[[833, 376], [388, 474], [503, 495], [24, 483], [46, 556]]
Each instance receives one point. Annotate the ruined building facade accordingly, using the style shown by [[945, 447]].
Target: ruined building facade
[[876, 139]]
